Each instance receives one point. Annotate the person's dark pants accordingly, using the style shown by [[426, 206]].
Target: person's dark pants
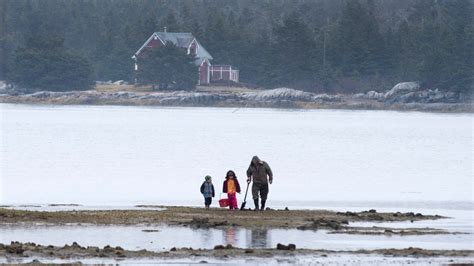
[[259, 189], [207, 201]]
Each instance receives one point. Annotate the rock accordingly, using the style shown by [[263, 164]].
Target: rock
[[372, 211], [402, 88], [333, 225], [173, 249], [280, 94], [219, 247], [375, 217], [317, 224], [108, 249], [15, 248], [3, 87], [223, 223], [199, 222], [327, 98], [286, 247], [286, 209], [95, 249], [312, 226], [452, 97], [247, 251], [98, 82], [375, 95], [406, 98], [119, 82]]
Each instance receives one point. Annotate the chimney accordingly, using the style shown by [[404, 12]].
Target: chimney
[[165, 29]]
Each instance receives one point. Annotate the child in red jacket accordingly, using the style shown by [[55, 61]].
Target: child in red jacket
[[231, 187]]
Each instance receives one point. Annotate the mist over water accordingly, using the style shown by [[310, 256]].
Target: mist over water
[[104, 155]]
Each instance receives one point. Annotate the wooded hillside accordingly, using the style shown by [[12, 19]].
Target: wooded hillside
[[319, 45]]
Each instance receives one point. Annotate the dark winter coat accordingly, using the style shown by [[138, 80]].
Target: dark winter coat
[[237, 185], [203, 189], [259, 170]]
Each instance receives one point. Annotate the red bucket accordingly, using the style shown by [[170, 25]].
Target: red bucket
[[224, 203]]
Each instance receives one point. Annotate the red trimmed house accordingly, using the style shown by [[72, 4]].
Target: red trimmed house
[[207, 72]]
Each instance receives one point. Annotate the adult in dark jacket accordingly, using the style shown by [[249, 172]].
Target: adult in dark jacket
[[261, 174]]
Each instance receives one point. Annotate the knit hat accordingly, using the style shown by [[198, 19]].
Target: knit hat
[[208, 177]]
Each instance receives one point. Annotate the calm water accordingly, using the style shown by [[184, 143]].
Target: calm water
[[133, 238], [128, 155], [116, 157]]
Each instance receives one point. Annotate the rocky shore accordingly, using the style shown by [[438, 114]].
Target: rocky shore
[[404, 96], [214, 217], [200, 218], [75, 251]]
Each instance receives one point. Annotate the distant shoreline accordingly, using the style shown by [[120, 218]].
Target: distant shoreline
[[278, 98]]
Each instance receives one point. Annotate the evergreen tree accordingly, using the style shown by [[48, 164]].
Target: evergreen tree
[[170, 22], [169, 67], [44, 64], [293, 53], [302, 44]]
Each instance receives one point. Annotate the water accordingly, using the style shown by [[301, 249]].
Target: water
[[116, 157], [133, 237], [100, 155]]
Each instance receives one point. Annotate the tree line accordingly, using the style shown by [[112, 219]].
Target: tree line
[[315, 45]]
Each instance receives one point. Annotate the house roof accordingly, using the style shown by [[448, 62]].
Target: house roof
[[182, 40]]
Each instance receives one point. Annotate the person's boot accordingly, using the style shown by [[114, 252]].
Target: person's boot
[[255, 201], [263, 205]]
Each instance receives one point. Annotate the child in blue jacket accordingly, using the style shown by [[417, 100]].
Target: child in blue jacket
[[207, 190]]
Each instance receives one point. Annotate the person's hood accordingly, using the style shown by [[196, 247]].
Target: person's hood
[[256, 160]]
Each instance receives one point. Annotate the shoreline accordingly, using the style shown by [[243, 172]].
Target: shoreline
[[17, 250], [278, 98], [196, 218]]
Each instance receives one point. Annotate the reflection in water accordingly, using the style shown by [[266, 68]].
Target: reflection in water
[[230, 236], [134, 238], [259, 238], [206, 236]]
